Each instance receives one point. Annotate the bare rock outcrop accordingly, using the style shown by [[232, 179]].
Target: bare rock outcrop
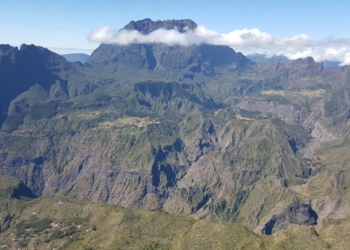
[[299, 214], [283, 111], [147, 26]]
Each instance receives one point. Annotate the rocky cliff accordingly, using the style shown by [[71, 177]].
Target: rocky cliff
[[300, 214], [147, 26], [11, 191]]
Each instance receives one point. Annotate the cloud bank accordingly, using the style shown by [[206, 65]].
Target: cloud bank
[[201, 34], [247, 41]]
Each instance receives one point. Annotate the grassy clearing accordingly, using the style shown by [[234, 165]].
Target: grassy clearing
[[305, 92]]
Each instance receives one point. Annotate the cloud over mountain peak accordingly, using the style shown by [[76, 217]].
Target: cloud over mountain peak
[[186, 32]]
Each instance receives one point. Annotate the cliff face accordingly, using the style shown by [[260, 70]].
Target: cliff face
[[275, 108], [14, 188], [9, 208], [147, 26], [164, 62], [299, 214]]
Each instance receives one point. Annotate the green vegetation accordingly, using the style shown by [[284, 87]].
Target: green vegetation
[[102, 226], [13, 121], [33, 225], [164, 139], [46, 110]]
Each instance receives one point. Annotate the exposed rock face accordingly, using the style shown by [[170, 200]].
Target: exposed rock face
[[11, 188], [164, 62], [283, 111], [299, 214], [147, 26], [15, 188]]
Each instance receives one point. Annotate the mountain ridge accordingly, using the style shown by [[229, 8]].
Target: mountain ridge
[[76, 57], [147, 26], [281, 58]]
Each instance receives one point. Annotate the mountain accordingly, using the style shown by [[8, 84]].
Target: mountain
[[147, 26], [66, 223], [21, 68], [331, 64], [263, 58], [196, 131], [33, 75], [164, 62], [13, 194], [76, 57], [284, 59]]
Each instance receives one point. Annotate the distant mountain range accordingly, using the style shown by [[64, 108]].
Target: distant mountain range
[[284, 59], [76, 57], [199, 130]]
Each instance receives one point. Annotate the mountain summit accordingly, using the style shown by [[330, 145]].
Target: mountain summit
[[147, 26], [168, 61], [164, 61]]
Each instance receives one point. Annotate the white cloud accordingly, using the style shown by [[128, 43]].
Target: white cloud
[[332, 41], [346, 60], [245, 37], [245, 40], [104, 34], [317, 53], [300, 40], [301, 54]]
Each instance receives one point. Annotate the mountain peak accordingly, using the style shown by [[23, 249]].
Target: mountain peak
[[147, 26], [6, 49]]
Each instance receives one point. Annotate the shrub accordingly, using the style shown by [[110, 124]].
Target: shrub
[[36, 225], [46, 110]]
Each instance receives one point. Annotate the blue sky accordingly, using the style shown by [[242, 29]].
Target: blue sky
[[66, 24]]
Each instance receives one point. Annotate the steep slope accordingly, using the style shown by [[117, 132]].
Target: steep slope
[[156, 145], [64, 223], [192, 64], [160, 61], [34, 75], [13, 194], [25, 67]]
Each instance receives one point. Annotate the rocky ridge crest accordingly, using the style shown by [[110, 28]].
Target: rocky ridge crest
[[147, 26]]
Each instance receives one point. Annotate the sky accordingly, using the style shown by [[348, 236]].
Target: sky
[[292, 28]]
